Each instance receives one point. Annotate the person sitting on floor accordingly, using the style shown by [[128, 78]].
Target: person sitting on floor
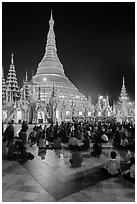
[[33, 137], [11, 150], [86, 143], [76, 159], [73, 143], [97, 149], [41, 141], [130, 174], [23, 154], [56, 143], [112, 165], [124, 143], [104, 138]]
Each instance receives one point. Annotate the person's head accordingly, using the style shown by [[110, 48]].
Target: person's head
[[132, 160], [124, 136], [113, 154]]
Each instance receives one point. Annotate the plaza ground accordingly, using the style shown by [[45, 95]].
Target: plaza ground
[[51, 179]]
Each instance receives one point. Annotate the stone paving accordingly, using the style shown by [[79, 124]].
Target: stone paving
[[49, 178]]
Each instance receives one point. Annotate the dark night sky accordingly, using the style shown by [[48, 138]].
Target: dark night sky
[[95, 42]]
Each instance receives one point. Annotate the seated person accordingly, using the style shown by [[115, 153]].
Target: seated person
[[104, 138], [112, 166], [33, 137], [124, 142], [72, 143], [86, 143], [41, 141], [11, 150], [130, 173], [57, 143], [76, 158], [24, 156], [23, 136], [97, 149]]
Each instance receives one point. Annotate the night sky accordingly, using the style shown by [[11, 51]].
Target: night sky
[[95, 43]]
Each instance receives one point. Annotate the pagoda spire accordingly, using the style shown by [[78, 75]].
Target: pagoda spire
[[12, 84], [26, 77], [50, 64], [12, 60], [3, 87], [123, 94]]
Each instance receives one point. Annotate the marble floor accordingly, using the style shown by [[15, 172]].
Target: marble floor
[[49, 178]]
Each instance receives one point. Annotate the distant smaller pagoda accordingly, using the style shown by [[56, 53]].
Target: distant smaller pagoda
[[3, 88], [12, 90]]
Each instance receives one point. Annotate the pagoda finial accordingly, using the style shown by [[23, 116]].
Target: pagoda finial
[[51, 21], [51, 18], [26, 78], [12, 61], [123, 81]]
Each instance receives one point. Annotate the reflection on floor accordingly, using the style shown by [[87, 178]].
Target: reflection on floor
[[49, 178]]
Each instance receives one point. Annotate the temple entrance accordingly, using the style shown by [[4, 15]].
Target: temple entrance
[[19, 117], [40, 117]]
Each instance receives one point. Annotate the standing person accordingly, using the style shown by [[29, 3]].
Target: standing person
[[24, 126], [9, 133], [24, 131]]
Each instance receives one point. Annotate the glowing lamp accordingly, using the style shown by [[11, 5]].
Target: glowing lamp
[[80, 112], [89, 113], [44, 79], [100, 97], [99, 113]]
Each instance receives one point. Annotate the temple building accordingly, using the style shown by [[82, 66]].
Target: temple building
[[50, 95], [102, 108], [124, 109]]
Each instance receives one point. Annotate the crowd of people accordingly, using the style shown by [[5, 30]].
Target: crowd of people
[[78, 135]]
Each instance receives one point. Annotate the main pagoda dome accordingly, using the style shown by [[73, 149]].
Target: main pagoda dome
[[50, 70]]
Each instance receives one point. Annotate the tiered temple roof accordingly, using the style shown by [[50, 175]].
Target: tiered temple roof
[[12, 84]]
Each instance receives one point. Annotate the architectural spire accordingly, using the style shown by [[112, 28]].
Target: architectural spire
[[3, 87], [123, 81], [12, 61], [26, 78], [50, 64], [12, 83], [123, 94]]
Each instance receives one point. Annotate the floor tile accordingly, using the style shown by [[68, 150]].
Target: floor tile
[[20, 194], [31, 196], [9, 193], [44, 198]]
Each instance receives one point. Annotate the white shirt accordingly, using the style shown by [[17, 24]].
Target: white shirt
[[104, 137]]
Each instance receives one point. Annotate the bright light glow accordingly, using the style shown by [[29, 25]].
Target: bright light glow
[[99, 113], [108, 113], [57, 114], [100, 97], [67, 112], [129, 103], [104, 100], [89, 113], [77, 96], [80, 112], [44, 79]]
